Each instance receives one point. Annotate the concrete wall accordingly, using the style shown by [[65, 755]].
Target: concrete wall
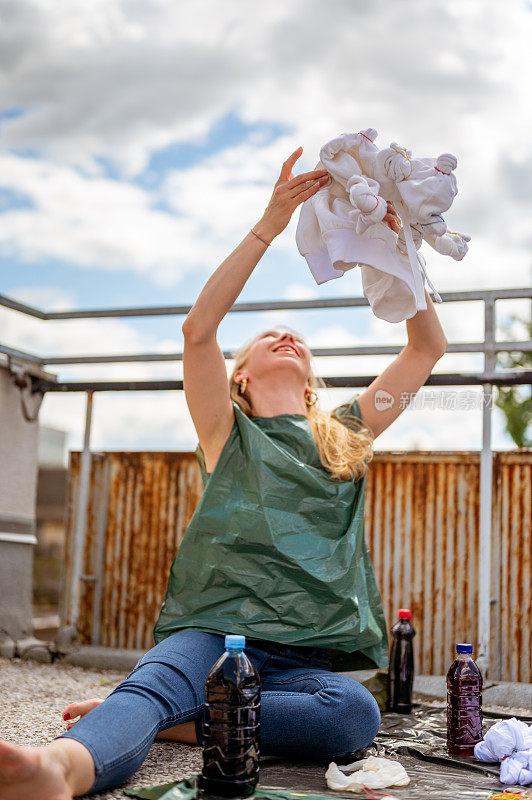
[[18, 486]]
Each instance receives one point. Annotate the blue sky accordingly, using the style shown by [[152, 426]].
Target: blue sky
[[139, 142]]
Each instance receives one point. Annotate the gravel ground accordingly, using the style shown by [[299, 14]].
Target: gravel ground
[[32, 699]]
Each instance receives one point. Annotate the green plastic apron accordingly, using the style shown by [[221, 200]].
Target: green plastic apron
[[276, 550]]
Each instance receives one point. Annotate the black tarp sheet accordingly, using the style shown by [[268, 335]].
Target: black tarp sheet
[[418, 741]]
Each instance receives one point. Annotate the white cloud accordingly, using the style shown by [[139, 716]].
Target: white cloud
[[333, 336], [228, 192], [300, 291], [46, 298], [80, 337], [426, 425], [121, 420], [114, 78], [91, 221], [122, 79], [94, 221]]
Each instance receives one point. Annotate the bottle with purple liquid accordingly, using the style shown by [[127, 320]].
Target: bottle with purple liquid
[[464, 703]]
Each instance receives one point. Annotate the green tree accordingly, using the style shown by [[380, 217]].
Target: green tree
[[516, 401]]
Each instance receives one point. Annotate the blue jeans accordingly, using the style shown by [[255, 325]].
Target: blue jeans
[[306, 710]]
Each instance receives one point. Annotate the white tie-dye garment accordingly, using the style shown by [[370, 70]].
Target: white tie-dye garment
[[340, 227], [510, 742]]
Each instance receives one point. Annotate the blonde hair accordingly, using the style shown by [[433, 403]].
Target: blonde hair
[[343, 446]]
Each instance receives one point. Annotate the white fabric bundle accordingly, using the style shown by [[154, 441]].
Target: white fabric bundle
[[372, 772], [510, 742], [340, 227]]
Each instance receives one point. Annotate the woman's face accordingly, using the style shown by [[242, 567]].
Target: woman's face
[[275, 351]]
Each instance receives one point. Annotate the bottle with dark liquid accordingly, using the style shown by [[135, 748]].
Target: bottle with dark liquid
[[401, 669], [464, 703], [231, 727]]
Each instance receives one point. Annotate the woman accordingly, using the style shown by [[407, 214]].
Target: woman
[[275, 549]]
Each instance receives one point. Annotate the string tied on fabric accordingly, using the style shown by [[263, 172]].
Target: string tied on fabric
[[401, 151], [460, 236], [365, 137], [509, 755]]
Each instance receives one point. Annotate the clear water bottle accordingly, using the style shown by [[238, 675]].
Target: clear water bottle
[[231, 727], [464, 703], [401, 669]]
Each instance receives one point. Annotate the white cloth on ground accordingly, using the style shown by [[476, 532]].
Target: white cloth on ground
[[340, 226], [372, 772], [510, 742]]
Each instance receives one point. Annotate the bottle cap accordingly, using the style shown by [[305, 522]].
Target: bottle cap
[[404, 613], [234, 641], [464, 648]]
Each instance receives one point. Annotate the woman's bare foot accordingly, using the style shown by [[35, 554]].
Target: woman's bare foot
[[27, 773], [184, 733]]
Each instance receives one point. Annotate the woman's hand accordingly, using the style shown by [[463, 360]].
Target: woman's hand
[[79, 710], [288, 194], [392, 218]]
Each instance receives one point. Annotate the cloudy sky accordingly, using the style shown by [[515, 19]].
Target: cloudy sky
[[140, 140]]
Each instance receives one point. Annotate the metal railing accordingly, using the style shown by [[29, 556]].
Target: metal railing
[[488, 378]]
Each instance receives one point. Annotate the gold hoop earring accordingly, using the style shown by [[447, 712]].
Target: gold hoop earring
[[243, 386], [311, 398]]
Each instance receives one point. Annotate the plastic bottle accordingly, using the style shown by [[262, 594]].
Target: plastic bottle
[[401, 670], [464, 703], [231, 727]]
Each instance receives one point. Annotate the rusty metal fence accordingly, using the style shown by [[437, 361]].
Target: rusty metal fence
[[422, 527], [138, 508]]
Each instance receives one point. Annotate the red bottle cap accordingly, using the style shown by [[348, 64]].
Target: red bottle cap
[[404, 613]]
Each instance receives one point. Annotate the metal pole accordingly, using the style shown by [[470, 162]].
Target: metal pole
[[81, 515], [486, 471]]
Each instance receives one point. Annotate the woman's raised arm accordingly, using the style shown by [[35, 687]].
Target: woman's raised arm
[[389, 394], [205, 377]]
